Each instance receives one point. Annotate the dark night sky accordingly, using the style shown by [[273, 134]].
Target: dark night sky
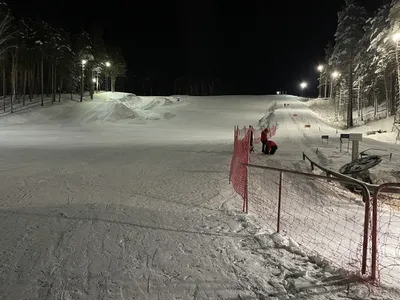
[[255, 46]]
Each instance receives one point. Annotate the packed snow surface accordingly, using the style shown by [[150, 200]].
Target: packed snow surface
[[127, 197]]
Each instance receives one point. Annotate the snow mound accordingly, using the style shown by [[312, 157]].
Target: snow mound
[[105, 107]]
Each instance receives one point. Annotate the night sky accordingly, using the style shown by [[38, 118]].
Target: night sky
[[254, 47]]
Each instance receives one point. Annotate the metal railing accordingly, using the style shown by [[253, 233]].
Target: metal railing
[[342, 179], [329, 173], [386, 225]]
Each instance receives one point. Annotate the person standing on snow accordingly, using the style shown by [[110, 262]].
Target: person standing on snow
[[264, 139]]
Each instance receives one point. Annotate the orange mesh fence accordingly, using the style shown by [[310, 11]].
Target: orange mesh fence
[[238, 170]]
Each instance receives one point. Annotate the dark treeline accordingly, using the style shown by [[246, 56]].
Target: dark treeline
[[39, 60]]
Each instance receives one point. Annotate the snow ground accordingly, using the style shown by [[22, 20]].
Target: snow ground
[[328, 219], [126, 197]]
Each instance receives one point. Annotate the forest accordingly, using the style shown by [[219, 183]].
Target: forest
[[39, 61], [361, 66]]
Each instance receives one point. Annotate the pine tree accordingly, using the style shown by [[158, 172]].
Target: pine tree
[[394, 17], [349, 32], [328, 68]]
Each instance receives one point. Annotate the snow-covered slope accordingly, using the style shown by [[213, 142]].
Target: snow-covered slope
[[104, 108], [104, 200]]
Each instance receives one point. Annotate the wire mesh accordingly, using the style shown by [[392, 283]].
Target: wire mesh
[[388, 238], [323, 217]]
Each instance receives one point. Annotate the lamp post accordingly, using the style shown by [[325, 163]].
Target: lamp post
[[396, 39], [84, 61], [303, 85], [108, 65], [94, 80], [320, 68]]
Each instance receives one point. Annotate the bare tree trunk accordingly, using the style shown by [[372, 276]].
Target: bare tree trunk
[[350, 98], [60, 87], [375, 104], [55, 81], [91, 84], [41, 80], [387, 96], [397, 107], [4, 86], [24, 87], [31, 82], [326, 83], [52, 82], [48, 87], [393, 95], [358, 98], [13, 79], [113, 84], [362, 105]]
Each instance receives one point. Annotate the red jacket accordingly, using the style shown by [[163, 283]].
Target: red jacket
[[271, 144], [264, 135]]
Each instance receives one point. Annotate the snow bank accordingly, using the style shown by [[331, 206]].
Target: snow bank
[[105, 107], [326, 110]]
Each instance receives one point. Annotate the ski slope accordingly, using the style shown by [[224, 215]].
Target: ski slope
[[126, 197], [326, 218]]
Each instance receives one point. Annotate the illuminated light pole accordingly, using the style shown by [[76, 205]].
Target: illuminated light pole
[[303, 85], [108, 65], [396, 39], [94, 79], [84, 61], [320, 68]]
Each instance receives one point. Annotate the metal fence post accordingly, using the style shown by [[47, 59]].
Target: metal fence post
[[278, 225], [374, 234], [366, 199]]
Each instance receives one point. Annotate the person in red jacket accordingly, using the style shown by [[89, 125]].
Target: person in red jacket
[[264, 139], [271, 147]]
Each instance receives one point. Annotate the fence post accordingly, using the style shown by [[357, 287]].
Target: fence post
[[279, 202], [366, 229], [233, 156], [251, 138], [374, 234]]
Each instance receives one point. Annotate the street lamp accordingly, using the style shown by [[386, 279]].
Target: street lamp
[[108, 64], [303, 85], [320, 68], [84, 61]]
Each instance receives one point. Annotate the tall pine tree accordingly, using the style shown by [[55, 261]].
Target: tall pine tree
[[349, 32]]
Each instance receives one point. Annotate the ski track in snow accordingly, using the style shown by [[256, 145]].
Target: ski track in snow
[[143, 210]]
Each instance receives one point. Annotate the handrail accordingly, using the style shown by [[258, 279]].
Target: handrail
[[350, 180], [371, 187]]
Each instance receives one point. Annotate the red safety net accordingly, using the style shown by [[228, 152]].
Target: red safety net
[[238, 171]]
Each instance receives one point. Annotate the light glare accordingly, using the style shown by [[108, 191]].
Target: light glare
[[396, 37], [303, 85], [320, 68]]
